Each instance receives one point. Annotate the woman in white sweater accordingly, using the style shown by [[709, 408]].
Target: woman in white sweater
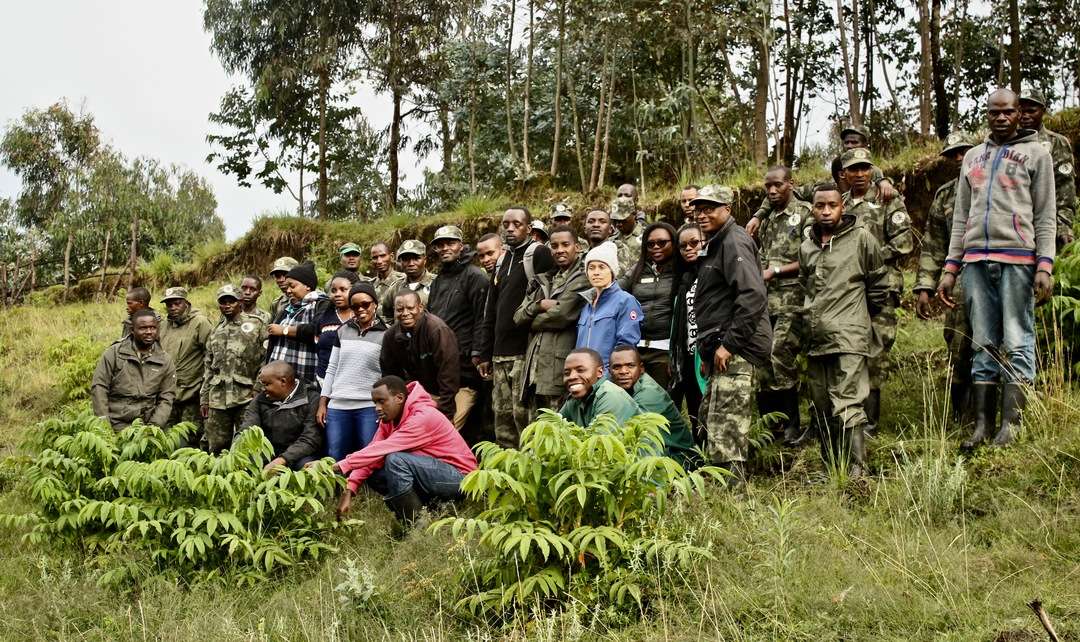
[[345, 408]]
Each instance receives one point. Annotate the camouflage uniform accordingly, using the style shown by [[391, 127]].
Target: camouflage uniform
[[384, 286], [1064, 176], [234, 352], [422, 287], [935, 247], [506, 374], [725, 412], [628, 245], [781, 235], [263, 315]]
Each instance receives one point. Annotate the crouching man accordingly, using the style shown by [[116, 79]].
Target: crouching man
[[589, 394], [285, 410], [416, 456]]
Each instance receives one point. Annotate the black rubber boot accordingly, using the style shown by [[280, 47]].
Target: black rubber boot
[[872, 406], [984, 399], [794, 435], [405, 507], [1013, 402], [960, 400], [856, 452]]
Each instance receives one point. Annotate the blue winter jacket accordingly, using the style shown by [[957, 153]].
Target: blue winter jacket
[[616, 318]]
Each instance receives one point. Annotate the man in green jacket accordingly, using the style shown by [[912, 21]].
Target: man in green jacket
[[135, 378], [846, 282], [550, 313], [590, 395], [1033, 106], [183, 336], [628, 372], [234, 352]]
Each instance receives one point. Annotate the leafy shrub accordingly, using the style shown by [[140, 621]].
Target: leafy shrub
[[162, 270], [1060, 319], [576, 512], [136, 495], [77, 358]]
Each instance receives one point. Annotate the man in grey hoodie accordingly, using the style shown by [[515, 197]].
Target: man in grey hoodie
[[1004, 227]]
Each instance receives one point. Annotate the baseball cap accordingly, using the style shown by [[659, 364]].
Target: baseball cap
[[857, 156], [349, 248], [621, 209], [539, 226], [447, 232], [174, 293], [411, 246], [284, 264], [228, 290], [852, 129], [715, 194], [561, 210], [956, 140], [1033, 95]]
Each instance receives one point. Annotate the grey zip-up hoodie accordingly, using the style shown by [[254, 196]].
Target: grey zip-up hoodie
[[1005, 205]]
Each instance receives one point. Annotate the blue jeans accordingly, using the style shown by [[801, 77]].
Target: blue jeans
[[429, 477], [1001, 306], [347, 431]]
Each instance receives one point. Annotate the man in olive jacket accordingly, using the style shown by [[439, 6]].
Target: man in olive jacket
[[135, 378], [550, 314], [285, 410], [843, 271], [589, 394], [628, 372], [184, 335]]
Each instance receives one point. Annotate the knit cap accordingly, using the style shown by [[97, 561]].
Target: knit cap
[[607, 253], [304, 273]]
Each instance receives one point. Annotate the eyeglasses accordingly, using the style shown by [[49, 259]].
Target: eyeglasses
[[692, 243], [658, 244], [365, 305]]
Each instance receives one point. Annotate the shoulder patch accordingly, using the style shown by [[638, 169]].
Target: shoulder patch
[[807, 231], [633, 315], [899, 218], [794, 219], [247, 326], [1066, 169], [1048, 145]]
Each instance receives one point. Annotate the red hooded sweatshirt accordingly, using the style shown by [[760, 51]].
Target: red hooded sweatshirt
[[422, 430]]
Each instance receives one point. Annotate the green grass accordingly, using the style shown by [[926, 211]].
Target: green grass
[[926, 549]]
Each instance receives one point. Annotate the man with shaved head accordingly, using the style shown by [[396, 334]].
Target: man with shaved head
[[285, 410], [1003, 238]]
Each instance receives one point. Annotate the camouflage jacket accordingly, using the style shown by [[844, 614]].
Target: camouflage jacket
[[277, 306], [890, 225], [780, 236], [263, 315], [421, 287], [383, 287], [235, 351], [1064, 175], [935, 242], [127, 386], [629, 249], [185, 341]]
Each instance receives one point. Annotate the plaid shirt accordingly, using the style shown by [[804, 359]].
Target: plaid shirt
[[300, 351]]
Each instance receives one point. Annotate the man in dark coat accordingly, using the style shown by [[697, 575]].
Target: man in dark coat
[[285, 410], [421, 347]]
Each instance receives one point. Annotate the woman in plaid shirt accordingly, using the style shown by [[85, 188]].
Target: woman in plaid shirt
[[294, 333]]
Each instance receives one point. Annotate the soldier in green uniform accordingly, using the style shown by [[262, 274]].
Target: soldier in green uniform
[[135, 378], [1032, 110], [412, 255], [891, 226], [386, 278], [846, 281], [183, 336], [935, 247], [779, 237], [250, 291], [627, 234], [281, 267], [234, 353]]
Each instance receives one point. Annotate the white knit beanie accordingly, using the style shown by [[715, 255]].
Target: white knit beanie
[[606, 252]]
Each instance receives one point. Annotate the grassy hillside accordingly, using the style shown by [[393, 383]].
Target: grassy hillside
[[932, 547]]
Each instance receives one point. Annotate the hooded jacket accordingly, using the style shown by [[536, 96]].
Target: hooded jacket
[[1005, 208], [421, 430], [552, 334], [428, 354], [126, 387], [731, 302], [458, 297], [846, 282], [501, 337], [605, 322], [288, 424], [185, 341]]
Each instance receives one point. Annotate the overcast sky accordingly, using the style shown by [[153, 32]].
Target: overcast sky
[[145, 72]]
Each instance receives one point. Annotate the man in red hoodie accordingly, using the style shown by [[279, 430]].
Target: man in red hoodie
[[416, 454]]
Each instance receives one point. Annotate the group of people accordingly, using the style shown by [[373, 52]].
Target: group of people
[[396, 373]]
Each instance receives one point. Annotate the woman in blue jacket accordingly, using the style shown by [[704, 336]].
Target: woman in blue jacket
[[611, 316]]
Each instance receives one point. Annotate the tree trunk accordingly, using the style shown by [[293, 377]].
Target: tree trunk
[[761, 97], [67, 263], [133, 254], [4, 283], [607, 124], [850, 67], [889, 86], [691, 82], [599, 120], [472, 138], [868, 73], [558, 93], [1015, 73], [104, 261], [526, 160], [791, 72], [577, 134], [926, 61], [324, 89], [937, 69], [447, 141], [395, 144], [509, 70], [958, 56], [637, 134]]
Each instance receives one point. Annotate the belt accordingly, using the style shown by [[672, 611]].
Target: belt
[[655, 344]]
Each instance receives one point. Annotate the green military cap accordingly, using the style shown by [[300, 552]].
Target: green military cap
[[538, 226], [857, 156], [174, 293], [447, 232], [852, 129], [561, 211], [1032, 95], [412, 246], [284, 264], [228, 291], [714, 194], [956, 140], [349, 248], [621, 209]]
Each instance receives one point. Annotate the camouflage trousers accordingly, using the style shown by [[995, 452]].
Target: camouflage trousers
[[511, 415], [725, 412], [884, 325], [957, 333], [782, 373], [839, 384], [221, 425], [183, 411], [538, 402]]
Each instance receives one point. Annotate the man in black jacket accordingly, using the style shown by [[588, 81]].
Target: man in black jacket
[[285, 410], [502, 351], [421, 347], [734, 333], [458, 297]]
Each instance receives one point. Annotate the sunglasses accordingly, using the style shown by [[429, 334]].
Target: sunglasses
[[366, 305], [658, 244], [692, 243]]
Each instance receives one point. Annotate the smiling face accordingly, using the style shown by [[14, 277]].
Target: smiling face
[[407, 309], [659, 246], [690, 244], [711, 217], [597, 227], [363, 307], [276, 387], [448, 249], [580, 372], [488, 253], [563, 249]]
